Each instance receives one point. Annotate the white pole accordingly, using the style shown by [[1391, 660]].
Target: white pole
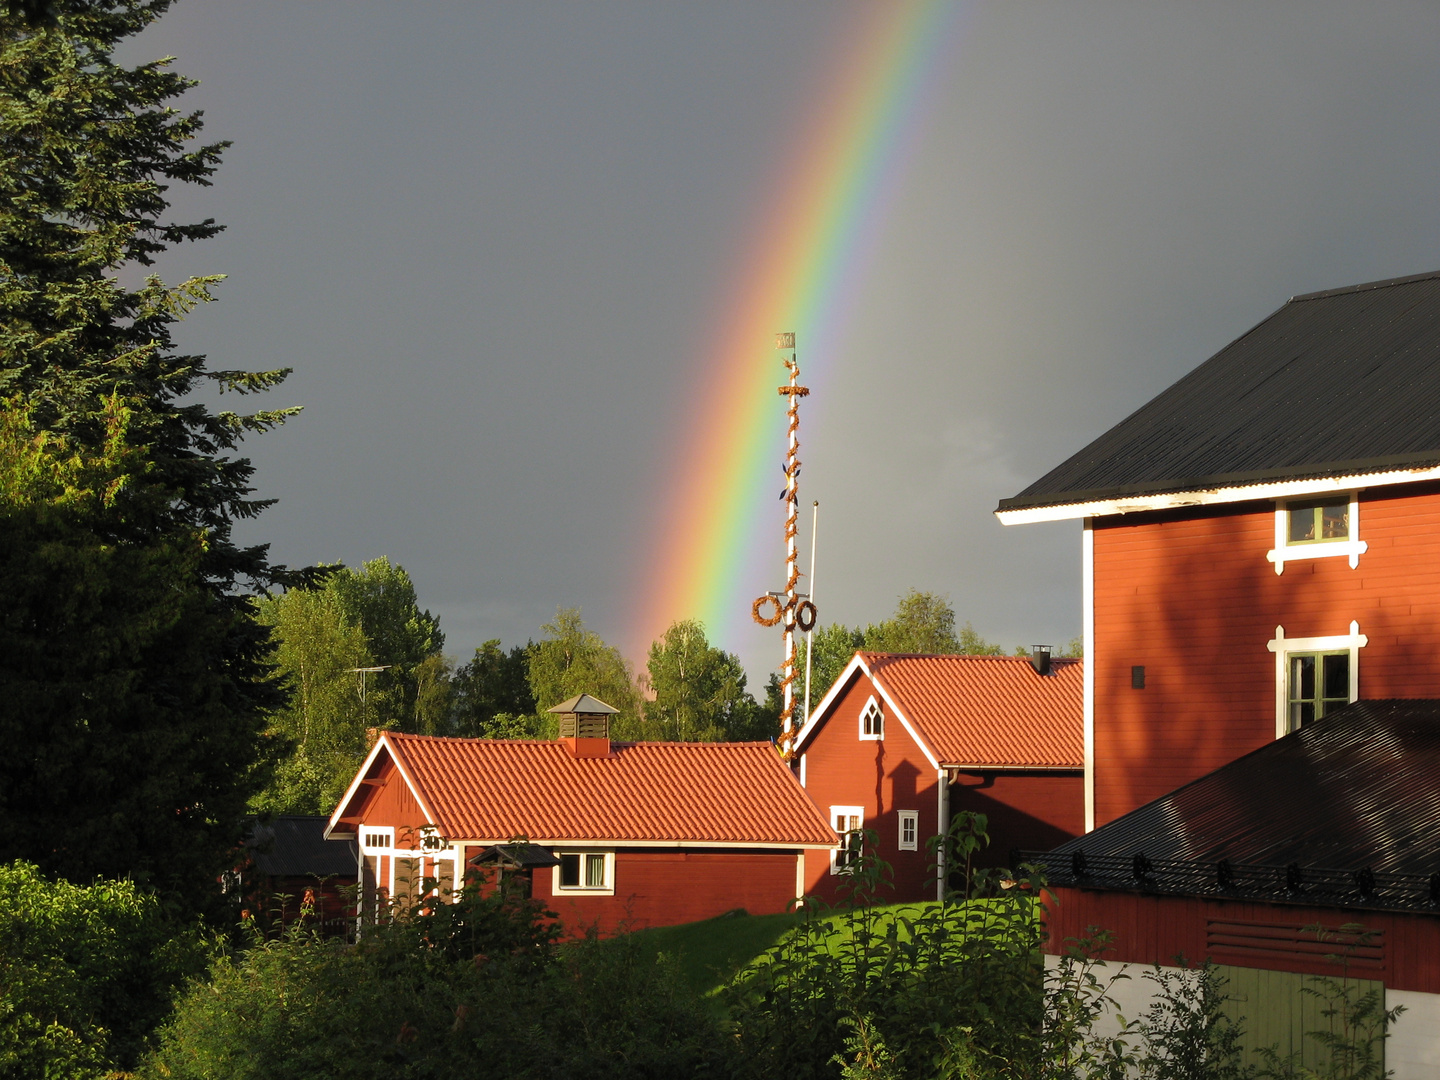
[[810, 634]]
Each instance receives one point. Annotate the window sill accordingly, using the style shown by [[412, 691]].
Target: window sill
[[1323, 549]]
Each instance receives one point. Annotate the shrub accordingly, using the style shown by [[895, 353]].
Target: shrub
[[86, 972]]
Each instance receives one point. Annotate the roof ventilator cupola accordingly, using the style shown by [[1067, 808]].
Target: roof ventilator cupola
[[1040, 659], [585, 725]]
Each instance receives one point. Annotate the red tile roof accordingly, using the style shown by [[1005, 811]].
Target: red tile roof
[[988, 711], [684, 793]]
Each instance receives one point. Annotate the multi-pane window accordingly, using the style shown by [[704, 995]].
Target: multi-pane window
[[1318, 683], [584, 870], [909, 830], [872, 721], [848, 821], [1311, 522]]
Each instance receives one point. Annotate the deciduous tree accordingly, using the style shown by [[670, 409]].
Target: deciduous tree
[[572, 660], [699, 690]]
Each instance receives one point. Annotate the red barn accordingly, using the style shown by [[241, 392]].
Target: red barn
[[1260, 551], [643, 834], [900, 743]]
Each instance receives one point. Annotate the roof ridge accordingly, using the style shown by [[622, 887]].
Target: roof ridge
[[1384, 283]]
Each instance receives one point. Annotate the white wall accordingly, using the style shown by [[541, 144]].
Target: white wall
[[1413, 1049]]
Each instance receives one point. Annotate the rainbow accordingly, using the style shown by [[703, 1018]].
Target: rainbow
[[807, 261]]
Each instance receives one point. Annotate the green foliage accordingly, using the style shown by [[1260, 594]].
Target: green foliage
[[491, 696], [135, 680], [832, 646], [699, 690], [572, 660], [85, 973], [436, 995], [354, 619]]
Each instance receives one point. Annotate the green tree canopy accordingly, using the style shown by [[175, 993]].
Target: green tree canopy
[[135, 681], [572, 660], [491, 696], [699, 690]]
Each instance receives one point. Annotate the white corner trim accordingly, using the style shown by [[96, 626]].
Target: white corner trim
[[1283, 646], [1284, 551], [1276, 489], [1087, 630]]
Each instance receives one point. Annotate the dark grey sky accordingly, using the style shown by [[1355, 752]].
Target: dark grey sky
[[486, 236]]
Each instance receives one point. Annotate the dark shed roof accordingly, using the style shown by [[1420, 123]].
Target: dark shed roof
[[1334, 383], [294, 845], [1355, 792]]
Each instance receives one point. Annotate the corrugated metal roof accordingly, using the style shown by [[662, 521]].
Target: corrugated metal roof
[[691, 793], [989, 711], [1333, 384], [294, 845], [1358, 788]]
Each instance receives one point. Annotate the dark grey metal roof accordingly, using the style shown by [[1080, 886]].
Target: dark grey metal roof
[[523, 856], [294, 845], [1342, 811], [1334, 383]]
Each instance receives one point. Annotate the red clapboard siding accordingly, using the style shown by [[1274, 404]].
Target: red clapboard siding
[[884, 776], [1033, 811], [665, 888], [1404, 952], [1191, 596]]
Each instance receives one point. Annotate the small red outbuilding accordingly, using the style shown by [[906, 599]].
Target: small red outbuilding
[[644, 834], [902, 742]]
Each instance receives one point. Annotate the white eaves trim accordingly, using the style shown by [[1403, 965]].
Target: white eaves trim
[[1276, 489], [818, 716], [381, 743]]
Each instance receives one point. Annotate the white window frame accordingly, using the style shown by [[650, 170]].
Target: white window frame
[[911, 818], [1283, 646], [368, 833], [857, 812], [1284, 551], [873, 703], [608, 889]]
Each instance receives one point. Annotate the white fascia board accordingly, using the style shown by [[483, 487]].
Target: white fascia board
[[1273, 489], [384, 742], [972, 767], [330, 833], [817, 716], [612, 844]]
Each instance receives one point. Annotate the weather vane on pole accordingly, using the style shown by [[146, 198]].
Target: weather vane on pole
[[790, 608]]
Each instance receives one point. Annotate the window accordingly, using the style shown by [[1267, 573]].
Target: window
[[909, 830], [848, 822], [373, 838], [1319, 682], [872, 720], [1317, 528], [1314, 676], [585, 871]]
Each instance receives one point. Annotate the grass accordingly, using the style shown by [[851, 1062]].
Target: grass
[[711, 952]]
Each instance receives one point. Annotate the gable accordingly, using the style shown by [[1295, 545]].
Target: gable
[[381, 793]]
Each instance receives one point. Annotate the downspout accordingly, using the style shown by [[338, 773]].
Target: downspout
[[942, 801]]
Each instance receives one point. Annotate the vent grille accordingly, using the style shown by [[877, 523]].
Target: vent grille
[[584, 726], [1249, 944]]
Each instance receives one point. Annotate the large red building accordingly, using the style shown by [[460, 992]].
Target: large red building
[[641, 834], [901, 743], [1259, 554]]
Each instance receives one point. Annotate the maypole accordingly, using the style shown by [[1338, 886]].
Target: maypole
[[792, 608]]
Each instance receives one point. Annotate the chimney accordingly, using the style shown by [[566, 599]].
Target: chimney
[[1040, 659], [585, 726]]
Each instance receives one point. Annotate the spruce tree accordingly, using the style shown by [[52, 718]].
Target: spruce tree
[[133, 681]]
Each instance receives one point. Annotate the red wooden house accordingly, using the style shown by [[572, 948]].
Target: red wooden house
[[1260, 551], [900, 743], [642, 834]]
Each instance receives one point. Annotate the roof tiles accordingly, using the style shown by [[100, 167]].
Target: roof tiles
[[988, 711], [649, 792]]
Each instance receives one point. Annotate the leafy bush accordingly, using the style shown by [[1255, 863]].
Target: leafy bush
[[443, 991], [86, 972]]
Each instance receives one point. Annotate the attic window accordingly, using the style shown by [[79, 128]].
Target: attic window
[[377, 839], [872, 720], [1317, 528]]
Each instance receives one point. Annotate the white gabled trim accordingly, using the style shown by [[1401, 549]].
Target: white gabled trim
[[1283, 646], [817, 716], [1087, 631], [382, 741], [1274, 489], [904, 722], [1284, 551]]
